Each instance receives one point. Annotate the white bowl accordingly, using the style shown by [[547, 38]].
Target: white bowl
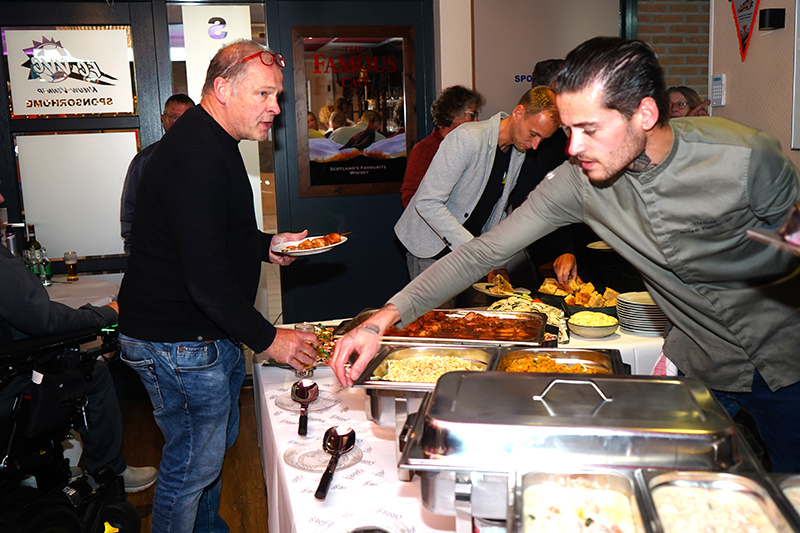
[[593, 332]]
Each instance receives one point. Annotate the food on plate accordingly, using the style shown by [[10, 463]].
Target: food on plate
[[470, 325], [580, 294], [545, 363], [315, 242], [422, 368], [686, 508], [500, 285], [552, 507], [592, 319]]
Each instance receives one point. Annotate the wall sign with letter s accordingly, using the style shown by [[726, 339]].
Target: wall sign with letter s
[[217, 28]]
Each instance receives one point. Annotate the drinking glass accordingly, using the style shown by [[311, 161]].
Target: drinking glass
[[71, 263], [309, 370]]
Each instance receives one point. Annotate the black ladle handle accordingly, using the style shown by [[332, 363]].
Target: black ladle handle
[[303, 429], [327, 476]]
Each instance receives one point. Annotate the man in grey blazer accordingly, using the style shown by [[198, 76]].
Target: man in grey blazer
[[466, 188]]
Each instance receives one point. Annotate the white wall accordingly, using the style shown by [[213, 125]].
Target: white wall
[[511, 36], [759, 89], [453, 22]]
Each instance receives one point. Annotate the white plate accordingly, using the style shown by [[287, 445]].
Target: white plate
[[324, 401], [313, 458], [642, 333], [278, 248], [484, 288], [599, 245], [637, 298]]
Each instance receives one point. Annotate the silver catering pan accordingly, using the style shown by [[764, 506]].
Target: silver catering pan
[[744, 499]]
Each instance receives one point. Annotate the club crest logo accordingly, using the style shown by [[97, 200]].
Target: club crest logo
[[50, 62]]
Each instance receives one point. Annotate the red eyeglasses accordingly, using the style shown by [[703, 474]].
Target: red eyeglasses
[[268, 58]]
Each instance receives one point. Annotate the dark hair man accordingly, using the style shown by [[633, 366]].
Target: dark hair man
[[673, 197], [173, 109], [454, 106], [187, 297]]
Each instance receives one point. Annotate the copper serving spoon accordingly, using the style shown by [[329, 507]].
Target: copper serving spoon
[[338, 440], [304, 392]]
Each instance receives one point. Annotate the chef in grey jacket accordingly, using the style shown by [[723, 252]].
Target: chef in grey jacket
[[465, 190]]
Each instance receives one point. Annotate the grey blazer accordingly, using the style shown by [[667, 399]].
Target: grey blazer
[[452, 187]]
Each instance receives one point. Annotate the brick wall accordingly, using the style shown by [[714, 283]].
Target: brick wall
[[678, 31]]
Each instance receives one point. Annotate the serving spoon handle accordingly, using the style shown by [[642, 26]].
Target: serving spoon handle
[[325, 480]]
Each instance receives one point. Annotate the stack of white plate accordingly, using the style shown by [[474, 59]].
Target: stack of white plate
[[638, 314]]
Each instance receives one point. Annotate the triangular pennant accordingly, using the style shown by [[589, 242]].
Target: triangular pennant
[[743, 13]]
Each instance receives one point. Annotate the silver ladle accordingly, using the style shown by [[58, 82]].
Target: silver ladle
[[337, 441], [304, 392]]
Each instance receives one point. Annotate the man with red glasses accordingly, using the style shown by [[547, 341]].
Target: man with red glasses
[[186, 302]]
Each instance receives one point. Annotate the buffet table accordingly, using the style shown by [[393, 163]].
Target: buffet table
[[367, 493]]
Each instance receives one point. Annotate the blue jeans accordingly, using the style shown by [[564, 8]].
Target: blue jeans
[[194, 389], [776, 415]]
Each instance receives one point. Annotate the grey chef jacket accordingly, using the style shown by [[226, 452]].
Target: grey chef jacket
[[733, 301]]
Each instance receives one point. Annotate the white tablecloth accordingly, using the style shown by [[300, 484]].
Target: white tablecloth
[[84, 291], [366, 493]]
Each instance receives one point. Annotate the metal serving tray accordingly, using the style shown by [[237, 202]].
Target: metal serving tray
[[621, 485], [482, 355], [744, 494], [601, 361], [383, 396], [538, 318]]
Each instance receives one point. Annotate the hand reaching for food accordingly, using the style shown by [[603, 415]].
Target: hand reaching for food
[[566, 268]]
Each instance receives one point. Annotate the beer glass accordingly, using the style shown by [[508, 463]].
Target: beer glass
[[71, 263], [309, 370]]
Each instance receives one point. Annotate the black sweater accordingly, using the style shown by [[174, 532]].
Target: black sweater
[[196, 250]]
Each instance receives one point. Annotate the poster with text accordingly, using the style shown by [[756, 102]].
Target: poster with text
[[69, 72]]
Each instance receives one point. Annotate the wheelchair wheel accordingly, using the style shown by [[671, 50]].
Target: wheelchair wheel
[[120, 515], [52, 519]]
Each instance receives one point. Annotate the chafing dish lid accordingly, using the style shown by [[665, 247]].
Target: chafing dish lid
[[494, 420]]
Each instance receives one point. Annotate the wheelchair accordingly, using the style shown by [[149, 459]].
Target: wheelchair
[[42, 385]]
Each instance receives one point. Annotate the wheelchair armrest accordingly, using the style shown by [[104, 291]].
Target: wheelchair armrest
[[35, 345]]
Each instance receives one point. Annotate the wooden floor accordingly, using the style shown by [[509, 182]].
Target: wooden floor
[[243, 503]]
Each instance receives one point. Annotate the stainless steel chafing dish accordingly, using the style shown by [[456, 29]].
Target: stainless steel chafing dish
[[477, 429]]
